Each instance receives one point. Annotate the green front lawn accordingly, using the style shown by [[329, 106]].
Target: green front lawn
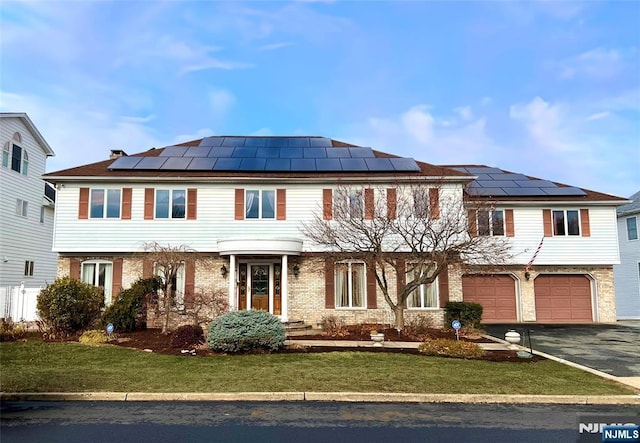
[[73, 367]]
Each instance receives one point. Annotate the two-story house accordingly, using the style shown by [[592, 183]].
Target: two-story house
[[627, 273], [27, 261], [239, 203]]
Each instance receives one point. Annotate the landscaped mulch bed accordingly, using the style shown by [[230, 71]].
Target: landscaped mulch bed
[[152, 340]]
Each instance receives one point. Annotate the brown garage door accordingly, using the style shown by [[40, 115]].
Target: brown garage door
[[563, 298], [496, 293]]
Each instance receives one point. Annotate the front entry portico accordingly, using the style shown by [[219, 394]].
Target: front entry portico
[[258, 273]]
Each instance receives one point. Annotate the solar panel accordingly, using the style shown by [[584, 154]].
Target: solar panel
[[497, 183], [256, 141], [404, 164], [290, 152], [484, 170], [302, 142], [278, 164], [211, 141], [338, 153], [379, 164], [174, 151], [524, 192], [361, 152], [221, 152], [268, 152], [201, 164], [125, 163], [328, 164], [227, 164], [486, 192], [198, 152], [278, 141], [314, 153], [176, 163], [253, 164], [151, 163], [507, 176], [535, 184], [233, 141], [320, 142], [245, 152], [353, 164], [564, 191], [303, 164]]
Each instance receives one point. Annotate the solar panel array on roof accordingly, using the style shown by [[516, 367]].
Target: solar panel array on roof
[[273, 154], [494, 182]]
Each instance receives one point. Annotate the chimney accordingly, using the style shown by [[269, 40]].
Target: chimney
[[117, 153]]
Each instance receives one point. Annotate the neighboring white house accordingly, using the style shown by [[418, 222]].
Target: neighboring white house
[[239, 203], [27, 261], [627, 273]]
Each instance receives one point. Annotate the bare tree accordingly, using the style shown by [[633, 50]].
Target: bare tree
[[208, 304], [416, 229], [168, 260]]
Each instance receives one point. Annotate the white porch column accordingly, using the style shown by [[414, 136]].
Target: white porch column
[[284, 289], [232, 283]]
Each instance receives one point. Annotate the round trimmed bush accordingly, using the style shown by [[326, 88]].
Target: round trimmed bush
[[243, 331], [68, 305]]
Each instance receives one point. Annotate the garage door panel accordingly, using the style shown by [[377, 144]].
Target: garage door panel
[[563, 298], [496, 294]]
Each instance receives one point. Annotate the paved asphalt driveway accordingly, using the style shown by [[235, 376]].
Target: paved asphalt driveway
[[614, 349]]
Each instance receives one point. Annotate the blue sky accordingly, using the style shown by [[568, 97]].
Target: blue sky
[[549, 89]]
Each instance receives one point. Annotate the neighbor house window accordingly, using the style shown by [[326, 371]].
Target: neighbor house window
[[21, 207], [177, 284], [99, 273], [19, 159], [171, 203], [260, 204], [566, 222], [42, 210], [105, 203], [28, 268], [632, 228], [425, 295], [490, 222], [350, 285]]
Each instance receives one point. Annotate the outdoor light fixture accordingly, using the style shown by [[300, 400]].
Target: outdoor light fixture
[[223, 271], [527, 275], [296, 270]]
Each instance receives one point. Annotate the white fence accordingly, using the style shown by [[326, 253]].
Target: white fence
[[19, 303]]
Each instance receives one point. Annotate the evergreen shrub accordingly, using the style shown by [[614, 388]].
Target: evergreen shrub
[[244, 331]]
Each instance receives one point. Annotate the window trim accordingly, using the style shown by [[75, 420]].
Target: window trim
[[260, 203], [350, 263], [22, 208], [171, 205], [181, 277], [28, 268], [435, 285], [107, 289], [635, 223], [105, 203], [566, 223]]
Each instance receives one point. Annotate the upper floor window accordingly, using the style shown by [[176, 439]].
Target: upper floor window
[[260, 204], [425, 295], [490, 222], [99, 273], [15, 157], [350, 285], [42, 211], [566, 222], [356, 204], [28, 268], [105, 203], [632, 228], [21, 207], [420, 202], [171, 203]]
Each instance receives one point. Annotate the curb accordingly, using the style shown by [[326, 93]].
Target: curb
[[370, 397]]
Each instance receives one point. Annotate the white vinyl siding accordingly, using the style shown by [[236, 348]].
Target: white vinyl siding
[[30, 239]]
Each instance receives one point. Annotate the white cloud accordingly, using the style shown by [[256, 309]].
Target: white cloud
[[598, 116], [543, 122], [599, 63], [418, 122], [221, 101], [200, 133], [274, 46]]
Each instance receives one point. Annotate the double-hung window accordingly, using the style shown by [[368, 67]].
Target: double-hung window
[[177, 284], [28, 268], [260, 204], [566, 222], [22, 207], [171, 203], [490, 222], [356, 204], [423, 296], [14, 157], [105, 203], [350, 285], [99, 273], [632, 228]]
